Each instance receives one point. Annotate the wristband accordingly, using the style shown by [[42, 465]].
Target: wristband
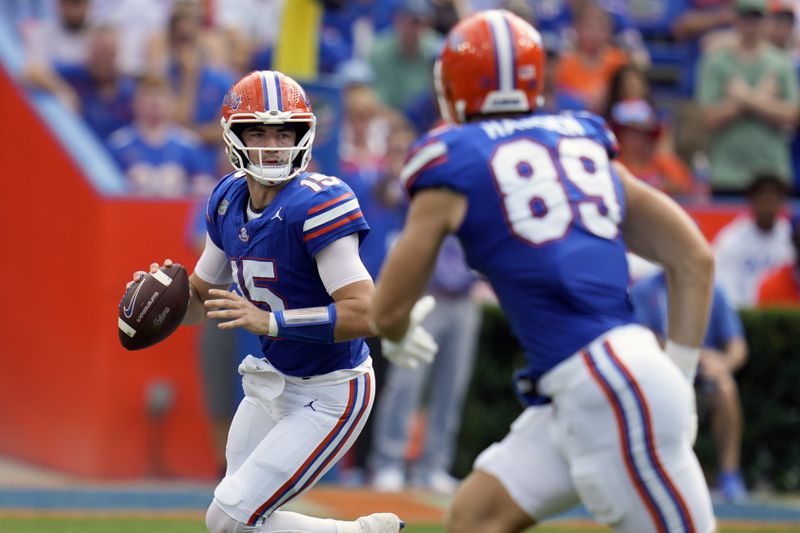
[[685, 357], [311, 324]]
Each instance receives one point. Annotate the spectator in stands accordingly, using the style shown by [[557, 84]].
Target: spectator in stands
[[701, 19], [749, 101], [754, 243], [638, 129], [555, 99], [781, 287], [97, 90], [198, 85], [724, 352], [158, 157], [22, 12], [384, 204], [586, 71], [780, 25], [249, 26], [402, 55], [555, 20], [454, 324], [446, 13], [780, 32], [628, 82], [382, 198], [137, 23], [423, 112], [365, 129], [63, 39]]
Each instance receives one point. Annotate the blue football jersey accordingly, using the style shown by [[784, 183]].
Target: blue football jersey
[[273, 263], [542, 224]]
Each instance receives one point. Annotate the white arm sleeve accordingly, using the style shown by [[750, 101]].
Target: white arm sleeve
[[340, 265], [213, 266]]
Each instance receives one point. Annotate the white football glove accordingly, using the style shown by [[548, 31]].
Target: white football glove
[[418, 345]]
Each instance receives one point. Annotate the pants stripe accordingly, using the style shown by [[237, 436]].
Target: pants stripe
[[364, 408], [663, 476], [318, 452], [627, 454]]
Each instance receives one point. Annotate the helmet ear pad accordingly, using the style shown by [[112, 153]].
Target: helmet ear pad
[[238, 129], [300, 129]]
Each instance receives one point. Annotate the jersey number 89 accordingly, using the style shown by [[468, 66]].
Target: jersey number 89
[[534, 184]]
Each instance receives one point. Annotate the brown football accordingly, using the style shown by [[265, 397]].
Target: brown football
[[153, 307]]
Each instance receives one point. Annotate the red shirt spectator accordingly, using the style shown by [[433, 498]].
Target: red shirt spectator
[[781, 286], [638, 129], [586, 71]]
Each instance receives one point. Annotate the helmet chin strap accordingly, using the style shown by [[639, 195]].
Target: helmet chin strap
[[270, 175]]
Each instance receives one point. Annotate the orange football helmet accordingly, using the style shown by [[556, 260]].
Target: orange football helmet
[[492, 62], [269, 98]]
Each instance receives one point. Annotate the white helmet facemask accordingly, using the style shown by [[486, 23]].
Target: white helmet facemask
[[269, 165]]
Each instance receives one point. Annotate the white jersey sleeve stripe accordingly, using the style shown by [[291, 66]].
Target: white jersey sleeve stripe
[[421, 158], [327, 216]]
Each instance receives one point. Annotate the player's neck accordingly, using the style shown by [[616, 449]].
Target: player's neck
[[261, 195]]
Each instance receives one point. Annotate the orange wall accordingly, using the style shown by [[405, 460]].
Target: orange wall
[[70, 396]]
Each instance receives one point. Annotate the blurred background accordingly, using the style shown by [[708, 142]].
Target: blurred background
[[109, 113]]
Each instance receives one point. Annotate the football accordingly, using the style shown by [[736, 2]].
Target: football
[[153, 307]]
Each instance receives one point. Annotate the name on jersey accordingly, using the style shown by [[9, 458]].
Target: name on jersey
[[564, 125]]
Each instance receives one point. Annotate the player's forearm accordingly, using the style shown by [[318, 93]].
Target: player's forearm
[[391, 325], [198, 294], [656, 228], [352, 320], [402, 282], [433, 215], [196, 311], [345, 319], [690, 283]]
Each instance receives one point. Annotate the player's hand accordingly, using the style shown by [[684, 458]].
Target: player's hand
[[242, 313], [418, 345], [139, 274]]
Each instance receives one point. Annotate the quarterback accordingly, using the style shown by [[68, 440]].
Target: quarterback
[[289, 239]]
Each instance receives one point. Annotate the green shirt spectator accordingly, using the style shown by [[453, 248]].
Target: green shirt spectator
[[402, 57], [749, 143]]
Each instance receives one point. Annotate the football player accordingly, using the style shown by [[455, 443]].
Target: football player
[[289, 238], [544, 212]]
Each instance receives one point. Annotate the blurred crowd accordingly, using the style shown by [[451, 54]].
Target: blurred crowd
[[701, 94]]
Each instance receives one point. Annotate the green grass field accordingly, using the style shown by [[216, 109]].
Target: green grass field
[[70, 524]]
